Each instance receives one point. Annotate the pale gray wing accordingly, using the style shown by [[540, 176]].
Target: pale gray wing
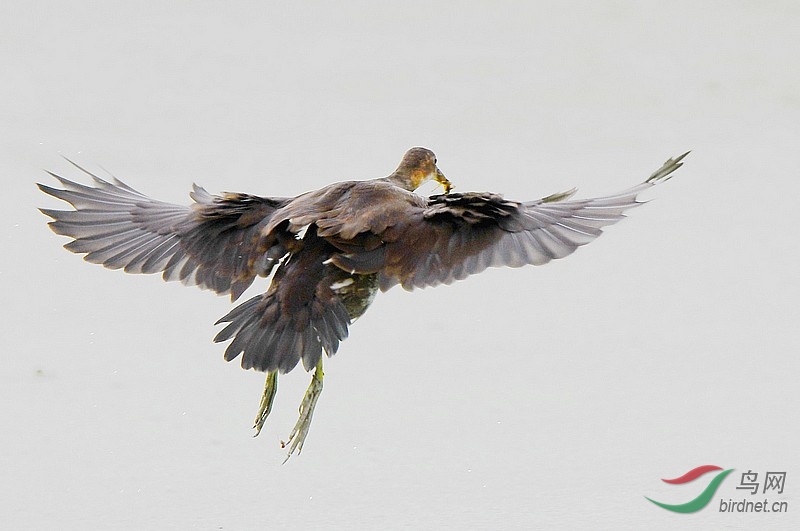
[[215, 244]]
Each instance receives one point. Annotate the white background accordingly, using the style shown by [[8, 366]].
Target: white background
[[553, 397]]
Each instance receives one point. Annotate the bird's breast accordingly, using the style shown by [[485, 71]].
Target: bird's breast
[[356, 292]]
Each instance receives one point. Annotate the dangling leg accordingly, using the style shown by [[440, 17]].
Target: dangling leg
[[270, 390], [300, 430]]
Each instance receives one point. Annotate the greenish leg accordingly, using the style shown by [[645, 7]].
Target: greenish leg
[[300, 430], [270, 390]]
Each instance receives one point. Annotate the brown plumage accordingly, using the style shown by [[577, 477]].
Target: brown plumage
[[334, 248]]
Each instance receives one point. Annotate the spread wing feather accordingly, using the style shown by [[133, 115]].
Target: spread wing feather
[[457, 235], [217, 243], [367, 228]]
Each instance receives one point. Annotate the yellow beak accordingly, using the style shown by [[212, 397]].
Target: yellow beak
[[441, 179]]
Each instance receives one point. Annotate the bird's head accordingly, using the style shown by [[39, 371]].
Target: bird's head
[[419, 166]]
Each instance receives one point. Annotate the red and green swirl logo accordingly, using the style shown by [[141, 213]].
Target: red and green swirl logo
[[704, 497]]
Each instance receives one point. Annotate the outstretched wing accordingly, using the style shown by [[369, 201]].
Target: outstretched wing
[[457, 235], [216, 243]]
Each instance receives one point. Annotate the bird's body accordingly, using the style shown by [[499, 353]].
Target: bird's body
[[329, 251]]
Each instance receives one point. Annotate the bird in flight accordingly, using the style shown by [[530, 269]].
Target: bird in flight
[[329, 251]]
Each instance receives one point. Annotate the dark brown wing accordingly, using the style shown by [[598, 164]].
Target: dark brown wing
[[457, 235], [217, 243]]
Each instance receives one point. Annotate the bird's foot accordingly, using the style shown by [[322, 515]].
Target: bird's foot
[[270, 390], [300, 430]]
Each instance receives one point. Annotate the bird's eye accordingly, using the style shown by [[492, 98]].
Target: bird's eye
[[434, 160]]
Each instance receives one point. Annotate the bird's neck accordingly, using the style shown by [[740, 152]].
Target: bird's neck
[[403, 180]]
